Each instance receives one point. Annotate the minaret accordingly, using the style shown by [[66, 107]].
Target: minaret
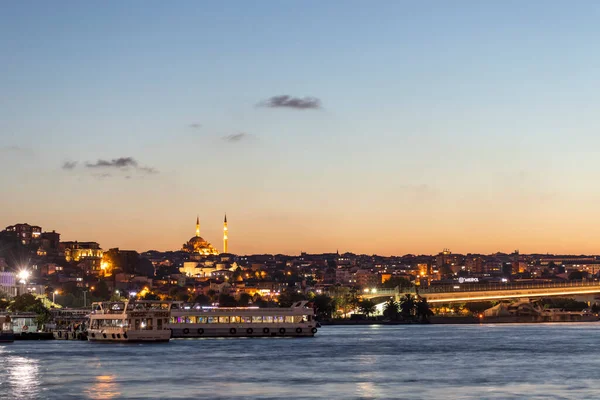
[[225, 234], [198, 226]]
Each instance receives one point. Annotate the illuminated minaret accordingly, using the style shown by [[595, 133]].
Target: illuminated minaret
[[198, 226], [225, 234]]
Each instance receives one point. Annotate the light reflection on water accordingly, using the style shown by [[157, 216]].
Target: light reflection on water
[[104, 388], [23, 377], [555, 361]]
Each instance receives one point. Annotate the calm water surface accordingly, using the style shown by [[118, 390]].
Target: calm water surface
[[544, 361]]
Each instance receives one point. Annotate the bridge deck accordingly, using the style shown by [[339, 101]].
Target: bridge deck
[[472, 292]]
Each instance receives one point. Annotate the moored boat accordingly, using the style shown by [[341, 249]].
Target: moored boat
[[129, 321], [188, 321], [6, 331]]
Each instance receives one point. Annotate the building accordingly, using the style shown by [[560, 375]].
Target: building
[[10, 284], [198, 246], [28, 234], [77, 251], [50, 241], [474, 264]]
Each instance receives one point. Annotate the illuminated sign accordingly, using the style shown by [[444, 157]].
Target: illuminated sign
[[468, 280]]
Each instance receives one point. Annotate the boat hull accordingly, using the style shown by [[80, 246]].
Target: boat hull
[[7, 337], [129, 336], [227, 330]]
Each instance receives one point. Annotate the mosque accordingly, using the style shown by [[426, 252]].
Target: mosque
[[201, 264], [199, 247]]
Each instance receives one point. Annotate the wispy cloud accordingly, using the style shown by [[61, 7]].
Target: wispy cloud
[[118, 164], [286, 101], [194, 126], [122, 162], [69, 164], [236, 137], [148, 170]]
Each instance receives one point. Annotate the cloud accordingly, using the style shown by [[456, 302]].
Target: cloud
[[122, 162], [306, 103], [236, 137], [148, 170], [194, 126], [69, 165], [119, 164]]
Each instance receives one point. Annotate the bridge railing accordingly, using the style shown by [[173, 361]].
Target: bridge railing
[[462, 287]]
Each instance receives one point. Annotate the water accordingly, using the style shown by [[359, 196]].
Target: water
[[537, 361]]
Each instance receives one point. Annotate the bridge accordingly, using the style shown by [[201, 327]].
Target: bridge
[[488, 292]]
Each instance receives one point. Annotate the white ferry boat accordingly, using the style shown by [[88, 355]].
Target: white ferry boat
[[129, 321], [6, 330], [195, 321]]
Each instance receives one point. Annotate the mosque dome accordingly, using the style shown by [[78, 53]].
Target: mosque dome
[[197, 245]]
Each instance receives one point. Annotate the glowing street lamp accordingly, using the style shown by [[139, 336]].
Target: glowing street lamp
[[53, 295], [23, 275]]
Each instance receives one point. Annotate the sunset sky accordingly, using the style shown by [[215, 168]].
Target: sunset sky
[[407, 128]]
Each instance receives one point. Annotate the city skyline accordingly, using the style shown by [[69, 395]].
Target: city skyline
[[420, 128], [199, 233]]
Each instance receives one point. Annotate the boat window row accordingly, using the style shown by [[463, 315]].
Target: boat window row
[[107, 323], [271, 319]]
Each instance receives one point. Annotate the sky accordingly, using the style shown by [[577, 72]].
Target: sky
[[387, 127]]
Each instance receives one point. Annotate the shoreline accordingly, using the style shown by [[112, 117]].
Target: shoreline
[[454, 321]]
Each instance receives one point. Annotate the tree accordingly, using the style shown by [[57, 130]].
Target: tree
[[4, 302], [324, 305], [151, 296], [407, 306], [212, 295], [367, 307], [226, 300], [202, 300], [564, 303], [422, 310], [29, 303], [23, 302], [345, 298], [396, 281], [101, 290], [391, 310], [245, 299], [578, 275], [289, 297]]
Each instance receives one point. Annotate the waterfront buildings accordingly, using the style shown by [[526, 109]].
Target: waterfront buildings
[[26, 233], [76, 251]]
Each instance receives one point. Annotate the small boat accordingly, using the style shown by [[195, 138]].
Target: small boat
[[7, 334], [129, 321], [188, 321]]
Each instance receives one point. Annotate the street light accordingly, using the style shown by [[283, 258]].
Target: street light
[[23, 275], [53, 296], [84, 298]]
